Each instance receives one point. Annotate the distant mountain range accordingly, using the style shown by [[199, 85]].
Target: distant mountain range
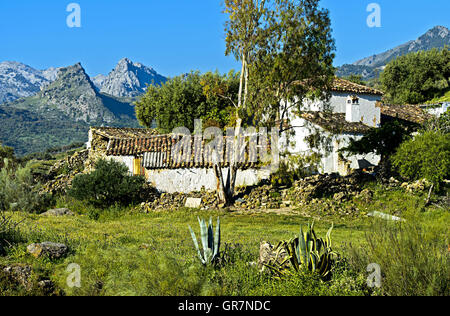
[[370, 67], [41, 109]]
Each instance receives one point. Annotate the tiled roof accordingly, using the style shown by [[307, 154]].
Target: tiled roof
[[116, 132], [342, 85], [410, 113], [159, 151], [335, 123], [139, 145]]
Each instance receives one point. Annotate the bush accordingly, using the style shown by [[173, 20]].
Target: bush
[[107, 185], [6, 153], [413, 260], [19, 190], [426, 156]]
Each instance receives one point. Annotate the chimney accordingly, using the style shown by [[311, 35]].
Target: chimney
[[353, 111]]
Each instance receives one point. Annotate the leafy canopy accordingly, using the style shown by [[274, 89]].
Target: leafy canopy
[[426, 156], [417, 77], [183, 99]]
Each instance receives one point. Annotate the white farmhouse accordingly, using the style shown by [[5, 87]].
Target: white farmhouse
[[351, 111]]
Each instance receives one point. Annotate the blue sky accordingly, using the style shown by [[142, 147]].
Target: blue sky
[[176, 36]]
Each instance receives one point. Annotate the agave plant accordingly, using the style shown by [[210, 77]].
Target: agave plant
[[210, 243], [306, 252]]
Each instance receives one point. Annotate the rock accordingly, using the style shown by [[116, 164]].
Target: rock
[[49, 249], [268, 256], [19, 274], [193, 202], [58, 212]]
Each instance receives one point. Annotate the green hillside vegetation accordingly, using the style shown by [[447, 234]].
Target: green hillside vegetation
[[417, 77]]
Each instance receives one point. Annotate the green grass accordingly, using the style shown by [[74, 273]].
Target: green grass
[[124, 252]]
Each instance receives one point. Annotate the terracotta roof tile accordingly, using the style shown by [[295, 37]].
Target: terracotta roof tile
[[115, 132], [410, 113], [342, 85]]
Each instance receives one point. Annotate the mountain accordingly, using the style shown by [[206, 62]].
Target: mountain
[[370, 67], [99, 81], [128, 79], [61, 113], [18, 80]]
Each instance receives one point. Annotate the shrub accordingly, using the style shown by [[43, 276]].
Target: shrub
[[6, 153], [306, 252], [413, 261], [107, 185], [19, 190], [426, 156]]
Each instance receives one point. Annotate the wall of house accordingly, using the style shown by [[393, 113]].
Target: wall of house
[[127, 160], [332, 162], [191, 179], [370, 113], [194, 179]]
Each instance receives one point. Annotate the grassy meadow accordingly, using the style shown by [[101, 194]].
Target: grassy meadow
[[122, 251]]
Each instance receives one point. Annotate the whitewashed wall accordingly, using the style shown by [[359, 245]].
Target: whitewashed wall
[[194, 179], [331, 163], [370, 114], [127, 160]]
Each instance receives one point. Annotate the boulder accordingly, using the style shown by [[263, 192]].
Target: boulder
[[48, 249], [19, 274], [58, 212], [193, 202]]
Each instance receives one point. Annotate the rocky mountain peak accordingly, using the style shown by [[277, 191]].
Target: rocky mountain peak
[[18, 80], [439, 31], [129, 79]]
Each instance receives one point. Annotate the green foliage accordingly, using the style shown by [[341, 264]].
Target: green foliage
[[107, 185], [181, 100], [414, 260], [210, 243], [417, 77], [425, 156], [307, 253], [293, 168], [288, 43], [6, 153], [20, 192]]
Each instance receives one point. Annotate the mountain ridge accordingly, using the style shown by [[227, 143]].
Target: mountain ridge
[[370, 67], [61, 113]]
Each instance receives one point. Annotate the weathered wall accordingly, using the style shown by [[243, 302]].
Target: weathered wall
[[194, 179], [331, 161], [370, 114]]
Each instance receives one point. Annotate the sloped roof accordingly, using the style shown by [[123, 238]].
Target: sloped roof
[[335, 123], [124, 132], [342, 85], [410, 113]]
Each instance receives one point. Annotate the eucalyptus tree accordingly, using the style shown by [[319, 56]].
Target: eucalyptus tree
[[285, 49]]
